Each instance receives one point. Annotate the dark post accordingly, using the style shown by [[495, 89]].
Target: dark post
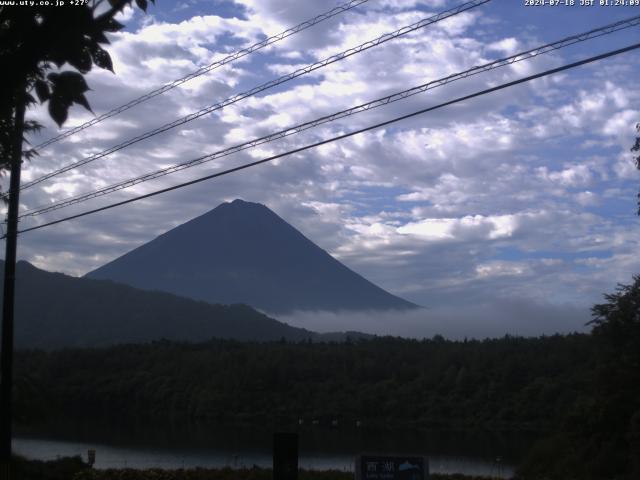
[[285, 456], [6, 356]]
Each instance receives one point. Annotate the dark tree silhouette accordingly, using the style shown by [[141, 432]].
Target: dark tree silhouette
[[35, 41], [636, 148], [600, 435], [620, 316], [615, 416], [38, 44]]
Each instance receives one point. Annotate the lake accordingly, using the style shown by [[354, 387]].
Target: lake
[[321, 448]]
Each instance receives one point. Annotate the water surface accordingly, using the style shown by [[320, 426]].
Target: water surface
[[321, 448]]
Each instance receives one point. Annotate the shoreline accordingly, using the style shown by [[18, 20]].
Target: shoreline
[[74, 468]]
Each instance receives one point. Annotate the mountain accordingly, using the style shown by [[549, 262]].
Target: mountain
[[55, 310], [242, 252]]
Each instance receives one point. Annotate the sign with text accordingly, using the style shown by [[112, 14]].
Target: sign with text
[[381, 467]]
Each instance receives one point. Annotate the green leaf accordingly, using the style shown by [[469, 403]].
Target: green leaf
[[68, 88], [58, 110], [111, 25], [42, 90], [28, 98], [58, 58], [100, 37], [80, 59], [101, 58], [82, 100], [66, 83]]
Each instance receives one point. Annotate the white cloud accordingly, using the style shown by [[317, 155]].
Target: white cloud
[[578, 175], [457, 228], [587, 198], [497, 268], [506, 46], [426, 207]]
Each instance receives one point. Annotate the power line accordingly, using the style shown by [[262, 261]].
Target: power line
[[340, 137], [525, 55], [265, 86], [212, 66]]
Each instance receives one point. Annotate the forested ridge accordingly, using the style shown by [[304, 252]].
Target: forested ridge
[[580, 391], [54, 311], [508, 383]]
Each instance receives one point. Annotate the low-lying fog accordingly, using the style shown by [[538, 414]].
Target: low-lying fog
[[513, 317]]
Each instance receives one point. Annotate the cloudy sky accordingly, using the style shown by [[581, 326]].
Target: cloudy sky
[[509, 213]]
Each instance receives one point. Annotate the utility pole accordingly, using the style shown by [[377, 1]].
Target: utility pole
[[6, 354]]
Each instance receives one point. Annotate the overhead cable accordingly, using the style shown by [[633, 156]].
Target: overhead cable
[[265, 86], [339, 137], [202, 70], [518, 57]]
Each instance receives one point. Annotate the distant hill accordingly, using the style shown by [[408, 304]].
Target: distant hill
[[55, 310], [242, 252]]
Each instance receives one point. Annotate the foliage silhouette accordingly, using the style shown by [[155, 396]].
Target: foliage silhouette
[[582, 390], [502, 384], [65, 468], [636, 148], [228, 474], [38, 44], [599, 436]]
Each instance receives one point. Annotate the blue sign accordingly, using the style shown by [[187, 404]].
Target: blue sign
[[370, 467]]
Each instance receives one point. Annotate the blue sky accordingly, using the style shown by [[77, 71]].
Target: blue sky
[[509, 213]]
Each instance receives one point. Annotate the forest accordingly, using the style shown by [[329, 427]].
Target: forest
[[510, 383], [73, 468], [581, 392]]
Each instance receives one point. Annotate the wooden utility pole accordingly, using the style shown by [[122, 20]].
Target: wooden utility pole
[[11, 243]]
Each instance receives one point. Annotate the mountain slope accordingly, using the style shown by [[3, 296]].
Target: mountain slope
[[242, 252], [55, 310]]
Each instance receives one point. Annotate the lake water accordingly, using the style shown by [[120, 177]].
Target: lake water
[[487, 454]]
